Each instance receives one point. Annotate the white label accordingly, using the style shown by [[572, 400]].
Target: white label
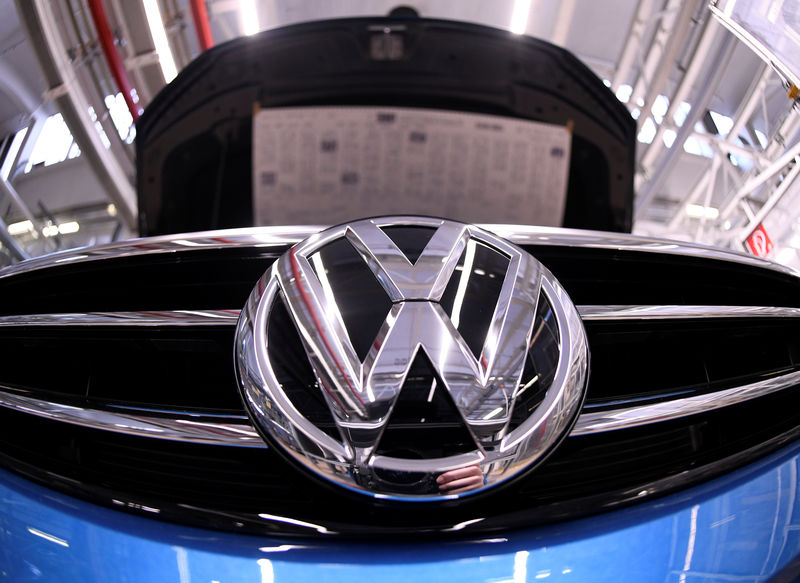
[[327, 165]]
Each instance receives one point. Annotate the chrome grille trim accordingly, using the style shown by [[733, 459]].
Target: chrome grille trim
[[165, 318], [281, 237], [178, 428], [589, 313], [188, 429], [595, 313], [601, 421]]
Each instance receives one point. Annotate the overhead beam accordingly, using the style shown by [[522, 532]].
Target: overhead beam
[[17, 90], [71, 99], [667, 60], [633, 43], [697, 64], [563, 22], [11, 244], [761, 178], [774, 198], [670, 157], [656, 50]]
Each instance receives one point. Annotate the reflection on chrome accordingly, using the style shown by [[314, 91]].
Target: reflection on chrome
[[280, 237], [665, 312], [362, 394], [165, 318], [461, 479], [176, 427], [636, 416]]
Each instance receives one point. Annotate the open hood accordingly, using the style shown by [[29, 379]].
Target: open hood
[[197, 166]]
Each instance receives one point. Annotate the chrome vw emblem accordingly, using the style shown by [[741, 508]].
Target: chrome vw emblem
[[510, 376]]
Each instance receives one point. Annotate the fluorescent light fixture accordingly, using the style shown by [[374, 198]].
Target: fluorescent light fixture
[[159, 34], [249, 15], [62, 229], [69, 227], [20, 228], [698, 211], [519, 17]]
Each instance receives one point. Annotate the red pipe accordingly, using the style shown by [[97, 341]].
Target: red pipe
[[202, 25], [112, 56]]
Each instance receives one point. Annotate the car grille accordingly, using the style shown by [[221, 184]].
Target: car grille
[[118, 384]]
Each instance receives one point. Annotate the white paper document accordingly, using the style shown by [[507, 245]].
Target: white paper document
[[326, 165]]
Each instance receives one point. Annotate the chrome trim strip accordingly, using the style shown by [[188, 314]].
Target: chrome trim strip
[[588, 313], [243, 434], [600, 313], [589, 423], [166, 318], [532, 235], [285, 236], [280, 237], [182, 428]]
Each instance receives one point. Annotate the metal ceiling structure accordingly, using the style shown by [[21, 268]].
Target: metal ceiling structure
[[719, 140]]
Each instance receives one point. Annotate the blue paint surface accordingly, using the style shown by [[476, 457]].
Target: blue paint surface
[[742, 527]]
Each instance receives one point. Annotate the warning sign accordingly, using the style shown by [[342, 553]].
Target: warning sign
[[759, 243]]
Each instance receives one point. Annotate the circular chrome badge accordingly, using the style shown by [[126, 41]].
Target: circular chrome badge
[[411, 358]]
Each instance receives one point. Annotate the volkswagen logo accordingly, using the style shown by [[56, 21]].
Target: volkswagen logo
[[411, 358]]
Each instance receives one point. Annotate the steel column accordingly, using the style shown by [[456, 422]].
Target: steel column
[[202, 25], [106, 40]]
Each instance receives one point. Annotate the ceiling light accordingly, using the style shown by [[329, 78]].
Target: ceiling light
[[698, 211], [20, 228], [249, 16], [69, 227], [50, 230], [519, 17]]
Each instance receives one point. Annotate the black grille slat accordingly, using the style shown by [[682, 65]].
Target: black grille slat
[[580, 470], [186, 368], [622, 277], [188, 280], [664, 359]]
